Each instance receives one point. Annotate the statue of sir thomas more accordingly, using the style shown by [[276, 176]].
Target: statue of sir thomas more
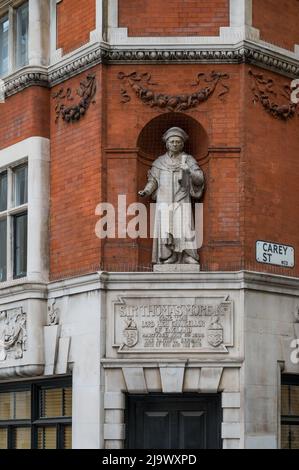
[[174, 179]]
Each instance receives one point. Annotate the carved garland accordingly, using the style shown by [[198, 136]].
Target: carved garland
[[73, 113], [140, 82], [266, 91]]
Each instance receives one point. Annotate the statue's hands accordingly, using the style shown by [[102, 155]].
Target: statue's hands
[[142, 193], [185, 167]]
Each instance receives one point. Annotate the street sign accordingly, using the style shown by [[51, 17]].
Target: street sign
[[275, 253]]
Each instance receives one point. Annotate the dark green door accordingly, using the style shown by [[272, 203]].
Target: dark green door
[[160, 421]]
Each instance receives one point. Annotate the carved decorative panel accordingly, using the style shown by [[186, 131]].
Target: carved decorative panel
[[142, 86], [13, 334]]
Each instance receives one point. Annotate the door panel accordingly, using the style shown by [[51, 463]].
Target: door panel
[[156, 430], [192, 426], [185, 421]]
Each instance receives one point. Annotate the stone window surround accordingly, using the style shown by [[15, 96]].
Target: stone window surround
[[36, 151], [8, 8], [167, 377], [38, 54], [8, 214]]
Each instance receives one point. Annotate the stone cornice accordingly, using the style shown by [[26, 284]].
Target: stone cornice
[[266, 57], [24, 78]]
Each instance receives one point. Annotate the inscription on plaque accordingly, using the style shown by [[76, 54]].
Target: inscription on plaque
[[173, 324]]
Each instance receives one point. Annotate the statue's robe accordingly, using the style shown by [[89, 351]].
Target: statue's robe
[[173, 188]]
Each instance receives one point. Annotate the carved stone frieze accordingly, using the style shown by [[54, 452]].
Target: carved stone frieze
[[140, 84], [13, 333], [246, 52], [275, 99], [166, 325], [72, 113], [23, 80]]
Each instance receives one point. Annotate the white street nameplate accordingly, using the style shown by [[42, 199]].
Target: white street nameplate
[[276, 254], [161, 324]]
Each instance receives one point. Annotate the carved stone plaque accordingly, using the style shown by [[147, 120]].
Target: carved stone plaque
[[160, 324]]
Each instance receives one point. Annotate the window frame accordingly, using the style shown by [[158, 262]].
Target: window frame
[[35, 150], [35, 421], [3, 18], [10, 10], [289, 420], [9, 214]]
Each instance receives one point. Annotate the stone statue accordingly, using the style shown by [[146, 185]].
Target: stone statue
[[173, 180]]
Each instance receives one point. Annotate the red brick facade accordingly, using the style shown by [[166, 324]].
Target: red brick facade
[[173, 17], [24, 115], [75, 21], [277, 21], [250, 159], [76, 173]]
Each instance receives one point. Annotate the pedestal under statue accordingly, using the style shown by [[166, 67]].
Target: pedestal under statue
[[173, 181]]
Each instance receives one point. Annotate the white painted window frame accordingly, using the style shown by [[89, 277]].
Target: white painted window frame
[[35, 151], [9, 8], [38, 32], [11, 211]]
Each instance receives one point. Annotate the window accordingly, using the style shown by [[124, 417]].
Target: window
[[22, 17], [13, 222], [36, 415], [14, 27], [290, 412], [4, 24]]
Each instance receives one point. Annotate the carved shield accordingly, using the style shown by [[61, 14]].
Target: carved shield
[[215, 337], [131, 337]]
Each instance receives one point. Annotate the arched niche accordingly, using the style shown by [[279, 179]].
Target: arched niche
[[150, 146], [150, 142]]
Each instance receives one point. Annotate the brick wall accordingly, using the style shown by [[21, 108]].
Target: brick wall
[[74, 23], [75, 188], [24, 115], [222, 123], [277, 21], [270, 174], [173, 17], [251, 168]]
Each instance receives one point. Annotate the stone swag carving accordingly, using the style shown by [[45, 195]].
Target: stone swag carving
[[13, 333], [75, 112], [173, 180], [274, 98], [140, 83]]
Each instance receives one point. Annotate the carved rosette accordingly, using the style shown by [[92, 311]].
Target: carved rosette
[[13, 334], [73, 113], [141, 85], [274, 98]]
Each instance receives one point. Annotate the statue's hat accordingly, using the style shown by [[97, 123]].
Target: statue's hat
[[175, 132]]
